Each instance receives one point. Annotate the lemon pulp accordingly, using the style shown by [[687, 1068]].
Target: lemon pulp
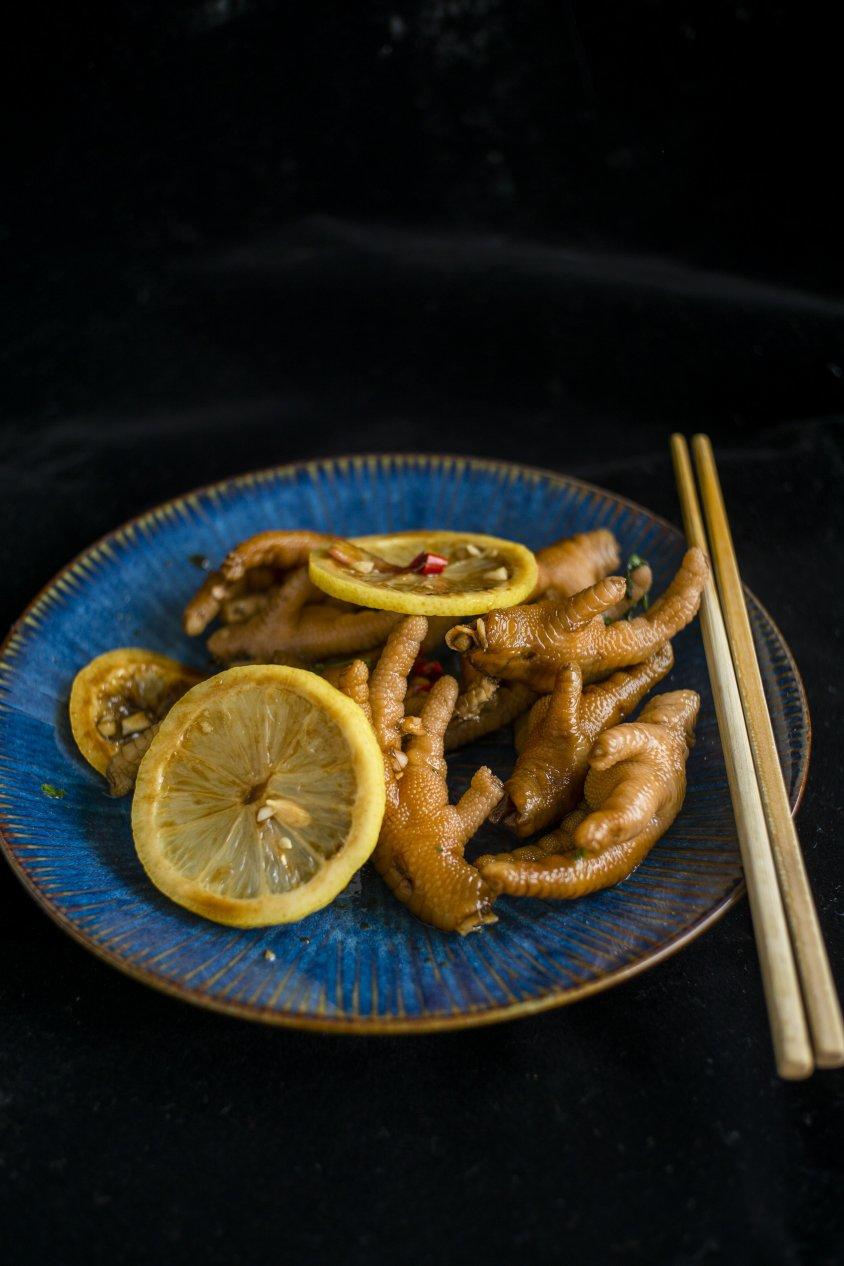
[[119, 694]]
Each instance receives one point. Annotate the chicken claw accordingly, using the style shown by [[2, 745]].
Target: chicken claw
[[634, 790], [420, 850], [251, 565], [271, 611], [575, 563], [566, 567], [548, 777], [531, 643], [295, 626]]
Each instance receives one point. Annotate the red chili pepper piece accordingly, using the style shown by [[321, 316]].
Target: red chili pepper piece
[[428, 564], [430, 669]]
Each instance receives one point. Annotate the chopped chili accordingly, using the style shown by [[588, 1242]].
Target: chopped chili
[[428, 564]]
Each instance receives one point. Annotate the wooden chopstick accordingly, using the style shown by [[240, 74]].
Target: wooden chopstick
[[819, 994], [786, 1016]]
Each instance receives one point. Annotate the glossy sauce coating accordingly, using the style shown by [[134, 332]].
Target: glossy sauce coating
[[423, 837], [547, 780], [531, 643], [634, 790]]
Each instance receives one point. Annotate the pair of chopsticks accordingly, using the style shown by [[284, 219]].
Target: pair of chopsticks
[[803, 1008]]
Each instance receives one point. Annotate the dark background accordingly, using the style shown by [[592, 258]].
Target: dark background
[[240, 232]]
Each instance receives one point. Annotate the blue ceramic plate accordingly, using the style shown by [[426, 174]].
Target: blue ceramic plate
[[364, 964]]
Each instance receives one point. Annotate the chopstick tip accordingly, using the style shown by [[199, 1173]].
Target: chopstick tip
[[832, 1058], [796, 1068]]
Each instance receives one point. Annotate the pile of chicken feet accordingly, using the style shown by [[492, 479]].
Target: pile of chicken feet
[[567, 667]]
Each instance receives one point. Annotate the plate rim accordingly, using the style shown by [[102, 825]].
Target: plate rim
[[383, 1025]]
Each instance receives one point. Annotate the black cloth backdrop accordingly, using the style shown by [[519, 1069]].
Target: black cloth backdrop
[[238, 232]]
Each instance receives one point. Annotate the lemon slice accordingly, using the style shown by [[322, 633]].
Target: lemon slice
[[260, 796], [480, 573], [119, 695]]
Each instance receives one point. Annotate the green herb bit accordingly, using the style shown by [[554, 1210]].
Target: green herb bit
[[55, 793], [634, 561]]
